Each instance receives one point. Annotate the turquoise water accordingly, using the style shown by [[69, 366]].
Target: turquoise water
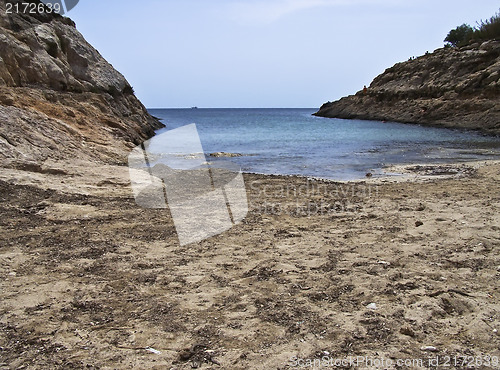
[[293, 142]]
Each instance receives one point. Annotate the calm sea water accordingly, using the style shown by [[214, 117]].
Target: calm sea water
[[293, 142]]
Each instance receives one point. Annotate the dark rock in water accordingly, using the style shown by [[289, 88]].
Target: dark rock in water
[[225, 155], [59, 98], [451, 87]]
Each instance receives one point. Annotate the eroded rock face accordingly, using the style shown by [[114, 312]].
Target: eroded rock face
[[59, 98], [452, 87]]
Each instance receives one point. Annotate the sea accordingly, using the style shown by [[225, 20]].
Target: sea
[[294, 142]]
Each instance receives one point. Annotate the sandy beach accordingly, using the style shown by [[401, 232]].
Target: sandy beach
[[388, 269], [398, 270]]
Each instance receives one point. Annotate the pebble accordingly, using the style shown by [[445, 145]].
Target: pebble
[[152, 350], [429, 349], [372, 306], [407, 331]]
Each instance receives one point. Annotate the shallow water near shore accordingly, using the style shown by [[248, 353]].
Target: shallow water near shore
[[293, 142]]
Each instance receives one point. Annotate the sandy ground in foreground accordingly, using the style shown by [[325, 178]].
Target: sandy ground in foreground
[[393, 270]]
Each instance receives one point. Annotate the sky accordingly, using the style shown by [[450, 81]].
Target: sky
[[264, 53]]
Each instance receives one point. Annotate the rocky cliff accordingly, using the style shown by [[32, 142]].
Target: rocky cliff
[[59, 98], [452, 87]]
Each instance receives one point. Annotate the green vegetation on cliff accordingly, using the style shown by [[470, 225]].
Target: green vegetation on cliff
[[485, 30], [456, 87]]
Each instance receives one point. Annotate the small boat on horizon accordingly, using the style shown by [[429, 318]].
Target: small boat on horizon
[[194, 107]]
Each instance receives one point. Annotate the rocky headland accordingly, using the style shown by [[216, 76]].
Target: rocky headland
[[59, 98], [455, 87]]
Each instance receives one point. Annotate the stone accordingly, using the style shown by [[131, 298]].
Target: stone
[[429, 349], [225, 155], [407, 331]]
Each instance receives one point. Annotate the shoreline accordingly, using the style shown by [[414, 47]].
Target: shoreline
[[104, 179], [399, 173]]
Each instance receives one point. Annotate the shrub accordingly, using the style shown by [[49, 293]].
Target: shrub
[[129, 90], [459, 35], [489, 29], [485, 30]]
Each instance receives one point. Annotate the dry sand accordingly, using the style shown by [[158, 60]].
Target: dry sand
[[398, 268]]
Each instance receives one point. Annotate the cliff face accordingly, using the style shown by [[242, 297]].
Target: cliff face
[[452, 87], [59, 98]]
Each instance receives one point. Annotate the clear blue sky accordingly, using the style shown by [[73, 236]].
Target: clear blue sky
[[264, 53]]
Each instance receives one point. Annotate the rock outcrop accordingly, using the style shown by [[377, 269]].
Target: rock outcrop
[[451, 87], [59, 98]]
